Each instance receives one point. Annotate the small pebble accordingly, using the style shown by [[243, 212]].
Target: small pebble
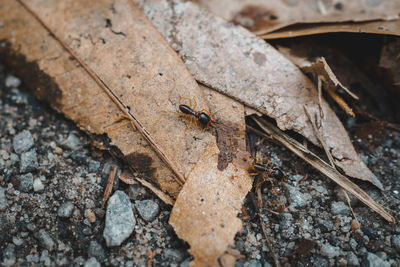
[[120, 220], [396, 242], [38, 185], [65, 210], [93, 166], [3, 199], [28, 161], [96, 250], [339, 208], [17, 241], [58, 150], [22, 142], [330, 251], [46, 240], [372, 260], [72, 142], [25, 182], [148, 209], [9, 255], [92, 262], [355, 224], [90, 216], [12, 81]]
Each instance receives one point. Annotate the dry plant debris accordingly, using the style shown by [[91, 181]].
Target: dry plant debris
[[220, 55], [391, 27], [263, 16]]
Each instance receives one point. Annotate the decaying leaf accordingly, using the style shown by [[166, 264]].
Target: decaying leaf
[[320, 70], [104, 66], [391, 27], [205, 212], [262, 16], [55, 77], [221, 56]]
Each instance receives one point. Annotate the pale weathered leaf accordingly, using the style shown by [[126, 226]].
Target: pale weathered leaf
[[234, 62], [263, 16]]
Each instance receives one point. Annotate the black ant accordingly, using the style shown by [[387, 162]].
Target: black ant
[[201, 116], [265, 170]]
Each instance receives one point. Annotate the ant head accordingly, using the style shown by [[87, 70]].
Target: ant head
[[278, 174]]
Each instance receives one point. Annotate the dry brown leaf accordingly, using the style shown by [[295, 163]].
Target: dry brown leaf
[[55, 77], [262, 16], [205, 212], [375, 27], [234, 62], [319, 69]]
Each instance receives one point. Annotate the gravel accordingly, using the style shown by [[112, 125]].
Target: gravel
[[65, 210], [92, 262], [28, 161], [3, 199], [339, 208], [38, 186], [26, 182], [120, 220], [147, 209], [45, 239], [23, 141]]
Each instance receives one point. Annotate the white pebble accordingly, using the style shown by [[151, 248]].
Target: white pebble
[[38, 185], [12, 81]]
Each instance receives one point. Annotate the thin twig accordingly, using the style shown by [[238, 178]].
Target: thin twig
[[109, 187]]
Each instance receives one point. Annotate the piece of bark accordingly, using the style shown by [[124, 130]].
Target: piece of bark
[[233, 61], [375, 27], [262, 16]]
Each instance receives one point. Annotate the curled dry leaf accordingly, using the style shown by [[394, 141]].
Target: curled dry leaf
[[262, 16], [233, 61], [103, 66], [319, 69], [391, 27]]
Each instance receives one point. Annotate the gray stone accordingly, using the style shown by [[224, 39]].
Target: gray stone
[[45, 258], [136, 191], [296, 198], [65, 210], [93, 166], [339, 208], [148, 209], [328, 225], [9, 255], [252, 263], [26, 182], [352, 259], [96, 250], [72, 142], [185, 263], [22, 142], [3, 199], [173, 255], [120, 220], [12, 81], [372, 260], [38, 186], [17, 241], [46, 240], [330, 251], [28, 161], [396, 242], [92, 262]]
